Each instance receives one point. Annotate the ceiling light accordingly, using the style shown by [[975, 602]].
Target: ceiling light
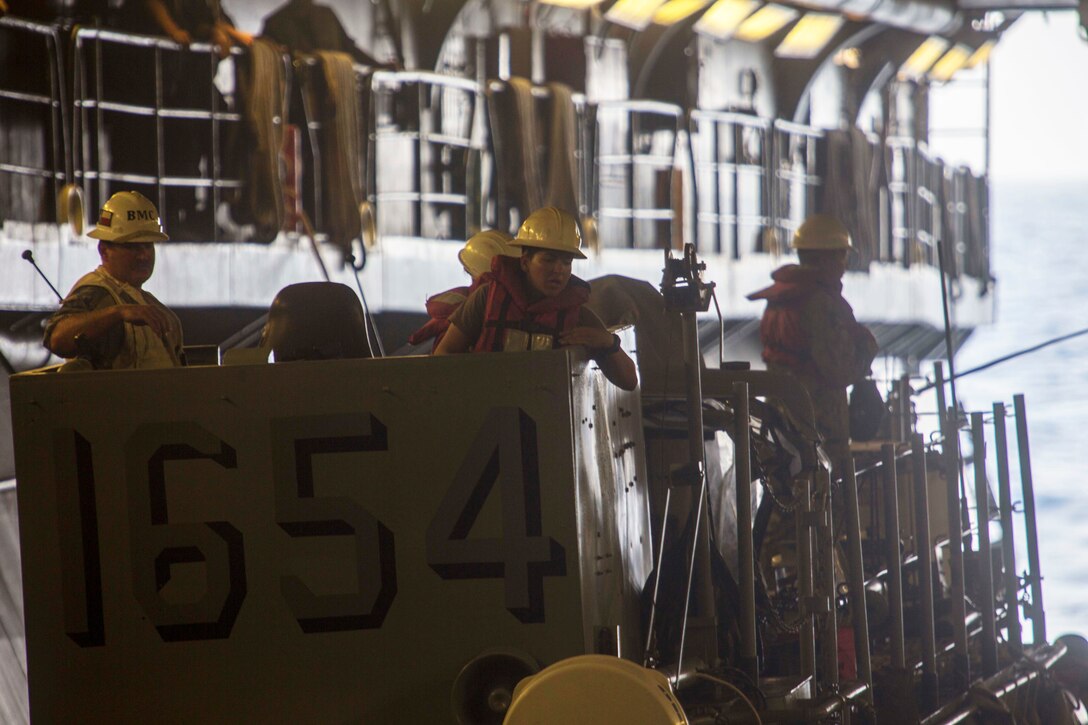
[[982, 55], [765, 22], [634, 14], [811, 34], [724, 17], [676, 10], [950, 62], [574, 4], [922, 59]]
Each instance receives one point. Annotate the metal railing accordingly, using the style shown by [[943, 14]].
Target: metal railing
[[145, 121], [633, 173], [33, 112], [427, 140], [147, 115], [731, 153], [795, 181]]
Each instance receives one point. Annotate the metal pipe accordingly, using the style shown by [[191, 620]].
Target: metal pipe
[[826, 550], [1008, 550], [961, 664], [745, 546], [894, 555], [699, 583], [923, 549], [1035, 574], [856, 574], [985, 556], [803, 520], [646, 654]]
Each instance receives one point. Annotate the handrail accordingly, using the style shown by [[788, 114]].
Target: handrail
[[782, 195]]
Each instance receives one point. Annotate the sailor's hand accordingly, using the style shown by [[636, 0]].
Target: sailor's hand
[[158, 320], [180, 36], [593, 338]]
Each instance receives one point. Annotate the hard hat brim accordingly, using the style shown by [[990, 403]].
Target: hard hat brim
[[540, 244], [134, 238]]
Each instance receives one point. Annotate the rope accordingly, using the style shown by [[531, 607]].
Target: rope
[[266, 104]]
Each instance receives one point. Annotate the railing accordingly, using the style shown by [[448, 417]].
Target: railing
[[795, 180], [147, 116], [633, 173], [428, 142], [158, 127], [732, 155], [33, 120]]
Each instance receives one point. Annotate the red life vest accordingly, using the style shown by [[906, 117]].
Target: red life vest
[[785, 341], [509, 307], [440, 307]]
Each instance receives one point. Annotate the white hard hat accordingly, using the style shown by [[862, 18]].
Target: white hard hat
[[128, 217], [550, 228], [476, 255], [822, 231]]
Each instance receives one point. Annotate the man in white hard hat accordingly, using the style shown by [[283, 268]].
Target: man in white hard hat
[[809, 329], [475, 258], [107, 318], [535, 303]]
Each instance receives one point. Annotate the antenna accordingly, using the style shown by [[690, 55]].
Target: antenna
[[29, 256]]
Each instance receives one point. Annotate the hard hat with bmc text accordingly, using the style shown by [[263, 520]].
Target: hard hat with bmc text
[[822, 231], [550, 228], [128, 217]]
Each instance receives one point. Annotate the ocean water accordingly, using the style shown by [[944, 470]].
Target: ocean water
[[1040, 242]]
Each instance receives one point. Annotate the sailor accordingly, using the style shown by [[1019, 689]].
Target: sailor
[[108, 319], [475, 258], [809, 330], [535, 303]]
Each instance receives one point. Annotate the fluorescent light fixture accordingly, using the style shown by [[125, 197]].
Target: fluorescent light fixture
[[724, 17], [950, 63], [573, 4], [923, 58], [676, 10], [634, 14], [765, 22], [810, 35], [982, 55]]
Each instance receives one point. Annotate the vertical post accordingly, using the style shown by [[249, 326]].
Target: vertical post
[[1008, 550], [1035, 574], [905, 425], [698, 582], [745, 548], [894, 555], [923, 548], [985, 556], [856, 575], [160, 133], [826, 548], [961, 663], [804, 521]]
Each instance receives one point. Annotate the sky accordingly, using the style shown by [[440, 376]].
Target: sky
[[1039, 107]]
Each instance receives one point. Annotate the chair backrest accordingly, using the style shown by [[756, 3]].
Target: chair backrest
[[316, 321]]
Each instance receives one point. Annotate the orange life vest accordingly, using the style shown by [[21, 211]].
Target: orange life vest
[[509, 307]]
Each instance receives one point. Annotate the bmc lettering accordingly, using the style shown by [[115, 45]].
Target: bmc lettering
[[141, 215]]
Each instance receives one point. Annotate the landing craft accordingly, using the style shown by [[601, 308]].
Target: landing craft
[[360, 539]]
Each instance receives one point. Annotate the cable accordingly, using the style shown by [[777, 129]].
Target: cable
[[734, 688]]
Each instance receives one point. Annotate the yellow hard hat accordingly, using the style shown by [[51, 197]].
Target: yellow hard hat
[[476, 255], [822, 231], [128, 216], [550, 228], [598, 689]]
